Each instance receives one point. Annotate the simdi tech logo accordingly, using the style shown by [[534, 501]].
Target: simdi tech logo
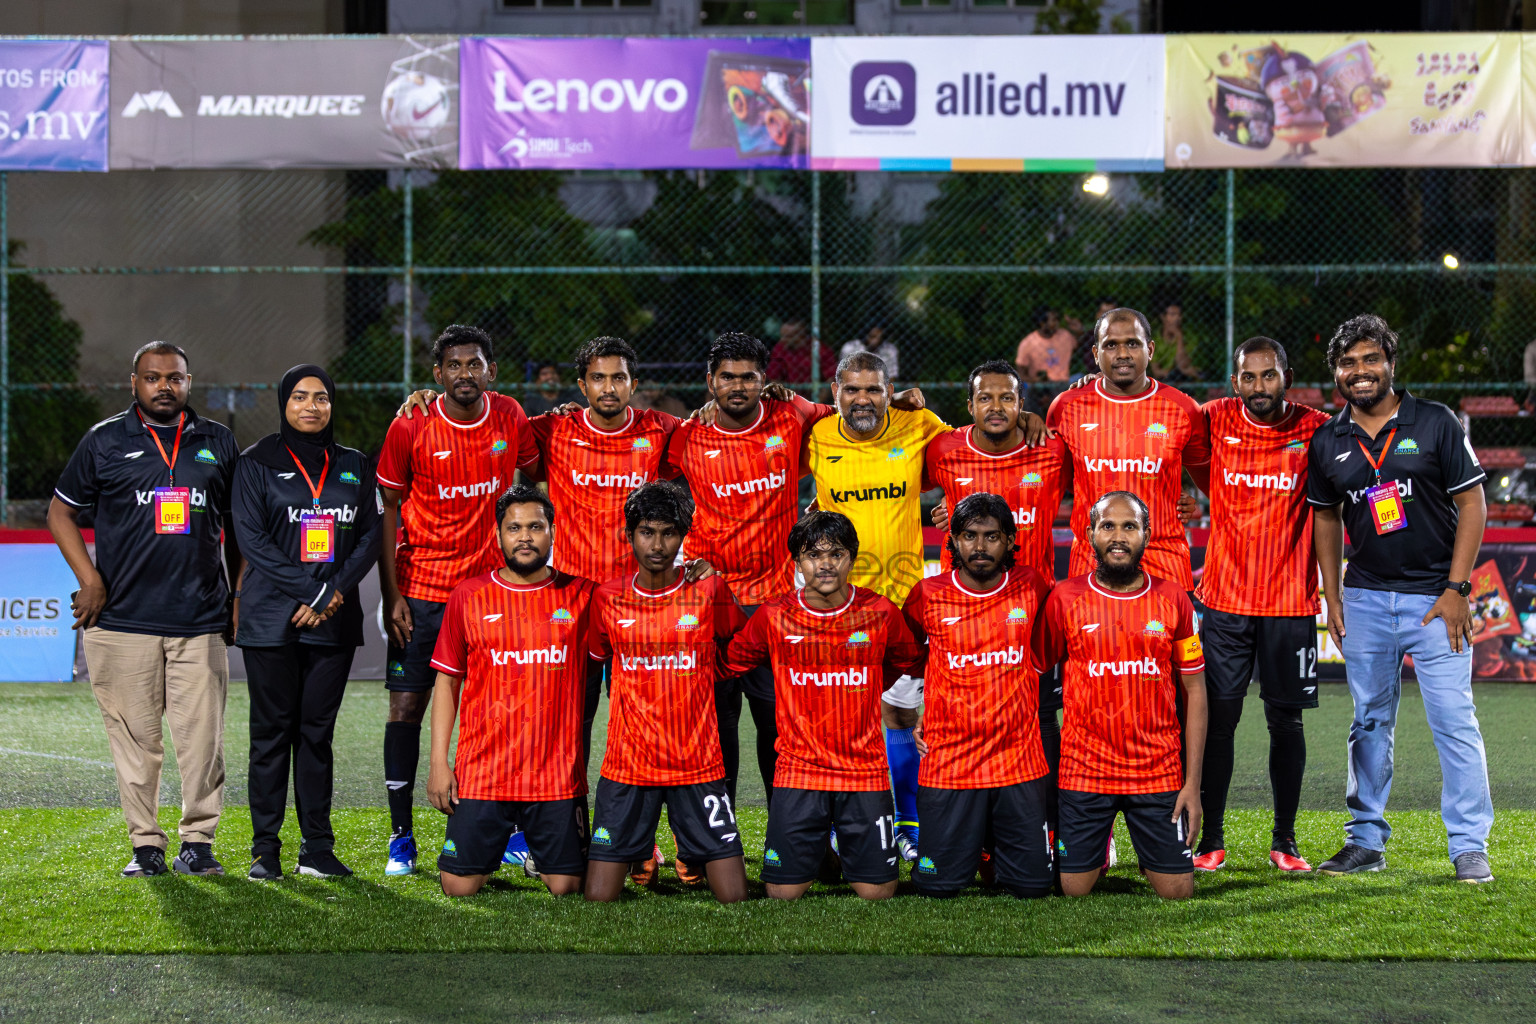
[[883, 93]]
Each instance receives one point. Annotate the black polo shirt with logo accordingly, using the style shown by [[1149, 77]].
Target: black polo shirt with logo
[[1430, 458], [159, 584]]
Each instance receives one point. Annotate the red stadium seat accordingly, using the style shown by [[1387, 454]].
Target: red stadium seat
[[1502, 512], [1501, 458], [1306, 396], [1490, 405]]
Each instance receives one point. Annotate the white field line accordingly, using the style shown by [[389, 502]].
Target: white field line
[[56, 757]]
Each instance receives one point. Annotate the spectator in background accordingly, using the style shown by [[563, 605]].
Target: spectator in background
[[1083, 358], [1045, 354], [1530, 375], [874, 341], [549, 391], [1171, 361], [790, 360]]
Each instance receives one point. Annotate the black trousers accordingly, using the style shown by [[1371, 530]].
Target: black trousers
[[296, 692]]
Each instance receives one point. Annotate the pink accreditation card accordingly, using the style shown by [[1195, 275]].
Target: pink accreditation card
[[1386, 507], [173, 509]]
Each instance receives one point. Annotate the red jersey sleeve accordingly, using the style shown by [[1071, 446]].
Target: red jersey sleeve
[[749, 647], [672, 457], [902, 654], [1188, 655], [671, 426], [1197, 450], [729, 618], [394, 469], [527, 444], [933, 453], [598, 645], [451, 655], [912, 611], [1049, 639], [1054, 412], [808, 410]]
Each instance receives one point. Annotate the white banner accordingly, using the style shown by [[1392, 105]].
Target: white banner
[[991, 103]]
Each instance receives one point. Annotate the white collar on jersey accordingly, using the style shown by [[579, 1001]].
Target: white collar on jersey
[[484, 395], [634, 584], [761, 412], [1146, 585], [954, 577], [853, 592], [1098, 387], [629, 419], [523, 588]]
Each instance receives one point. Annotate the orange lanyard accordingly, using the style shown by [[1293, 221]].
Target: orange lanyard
[[170, 460], [313, 490], [1376, 463]]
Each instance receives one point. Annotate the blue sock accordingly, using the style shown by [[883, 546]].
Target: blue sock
[[901, 751], [517, 847]]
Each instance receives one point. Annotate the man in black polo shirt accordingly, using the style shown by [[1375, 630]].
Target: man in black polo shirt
[[1399, 474], [154, 607]]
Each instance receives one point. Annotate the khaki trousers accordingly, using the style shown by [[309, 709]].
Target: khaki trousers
[[139, 679]]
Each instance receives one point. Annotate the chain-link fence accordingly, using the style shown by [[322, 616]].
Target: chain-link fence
[[255, 271]]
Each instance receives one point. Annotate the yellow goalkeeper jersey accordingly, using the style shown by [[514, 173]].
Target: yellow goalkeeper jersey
[[878, 485]]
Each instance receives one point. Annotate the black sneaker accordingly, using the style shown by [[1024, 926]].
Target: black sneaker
[[266, 867], [197, 859], [147, 862], [321, 864], [1353, 859], [1473, 867]]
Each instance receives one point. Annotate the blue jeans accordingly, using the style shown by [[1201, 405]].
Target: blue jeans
[[1380, 627]]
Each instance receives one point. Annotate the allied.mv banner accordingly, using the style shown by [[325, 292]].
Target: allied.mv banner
[[53, 105]]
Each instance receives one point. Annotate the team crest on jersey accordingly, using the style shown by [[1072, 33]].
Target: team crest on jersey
[[1031, 480], [562, 617], [688, 622], [641, 444], [1297, 445], [773, 444], [601, 837], [771, 856], [204, 455], [1407, 446], [449, 849], [858, 638], [1017, 616], [498, 446], [897, 453], [350, 478], [1157, 430], [925, 866], [1154, 628], [397, 670]]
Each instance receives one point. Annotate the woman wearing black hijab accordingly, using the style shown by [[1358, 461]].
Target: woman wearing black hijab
[[307, 517]]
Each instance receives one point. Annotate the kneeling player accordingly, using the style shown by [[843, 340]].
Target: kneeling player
[[984, 771], [661, 633], [514, 642], [834, 649], [1126, 638]]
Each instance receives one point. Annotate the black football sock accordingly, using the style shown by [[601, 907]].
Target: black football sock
[[1287, 765], [402, 749], [1216, 776], [1050, 739]]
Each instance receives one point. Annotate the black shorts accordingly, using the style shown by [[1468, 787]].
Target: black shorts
[[625, 817], [799, 821], [1050, 689], [1284, 647], [410, 667], [478, 831], [956, 825], [1086, 820]]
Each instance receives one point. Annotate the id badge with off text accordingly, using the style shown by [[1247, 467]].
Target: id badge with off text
[[173, 510], [318, 537], [1386, 507]]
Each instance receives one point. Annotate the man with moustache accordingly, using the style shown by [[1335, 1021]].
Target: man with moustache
[[154, 608], [1399, 473], [1131, 652], [1259, 589], [984, 782]]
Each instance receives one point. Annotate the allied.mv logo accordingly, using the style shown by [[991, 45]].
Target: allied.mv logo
[[883, 93]]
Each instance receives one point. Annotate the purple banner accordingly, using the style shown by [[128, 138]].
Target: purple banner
[[53, 105], [634, 103]]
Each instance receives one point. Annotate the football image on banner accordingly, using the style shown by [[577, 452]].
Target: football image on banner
[[272, 103], [1444, 100], [635, 103], [53, 105], [988, 103]]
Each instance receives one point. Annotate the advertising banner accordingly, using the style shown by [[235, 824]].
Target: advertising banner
[[271, 103], [635, 103], [988, 103], [1373, 100], [53, 105], [37, 641]]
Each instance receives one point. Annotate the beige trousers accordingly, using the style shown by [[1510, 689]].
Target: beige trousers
[[138, 680]]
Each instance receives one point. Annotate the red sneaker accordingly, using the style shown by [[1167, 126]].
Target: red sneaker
[[688, 875], [1288, 861], [1215, 860]]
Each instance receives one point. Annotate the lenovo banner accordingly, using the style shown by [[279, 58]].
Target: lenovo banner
[[271, 103], [53, 105], [635, 103], [989, 103]]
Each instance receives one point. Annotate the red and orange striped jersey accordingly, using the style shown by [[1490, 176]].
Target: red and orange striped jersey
[[1141, 445], [1030, 480], [449, 475], [746, 484], [829, 669], [661, 697], [522, 653], [590, 473], [981, 690], [1120, 687], [1259, 560]]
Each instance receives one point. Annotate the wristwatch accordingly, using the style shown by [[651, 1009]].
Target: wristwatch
[[1464, 588]]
